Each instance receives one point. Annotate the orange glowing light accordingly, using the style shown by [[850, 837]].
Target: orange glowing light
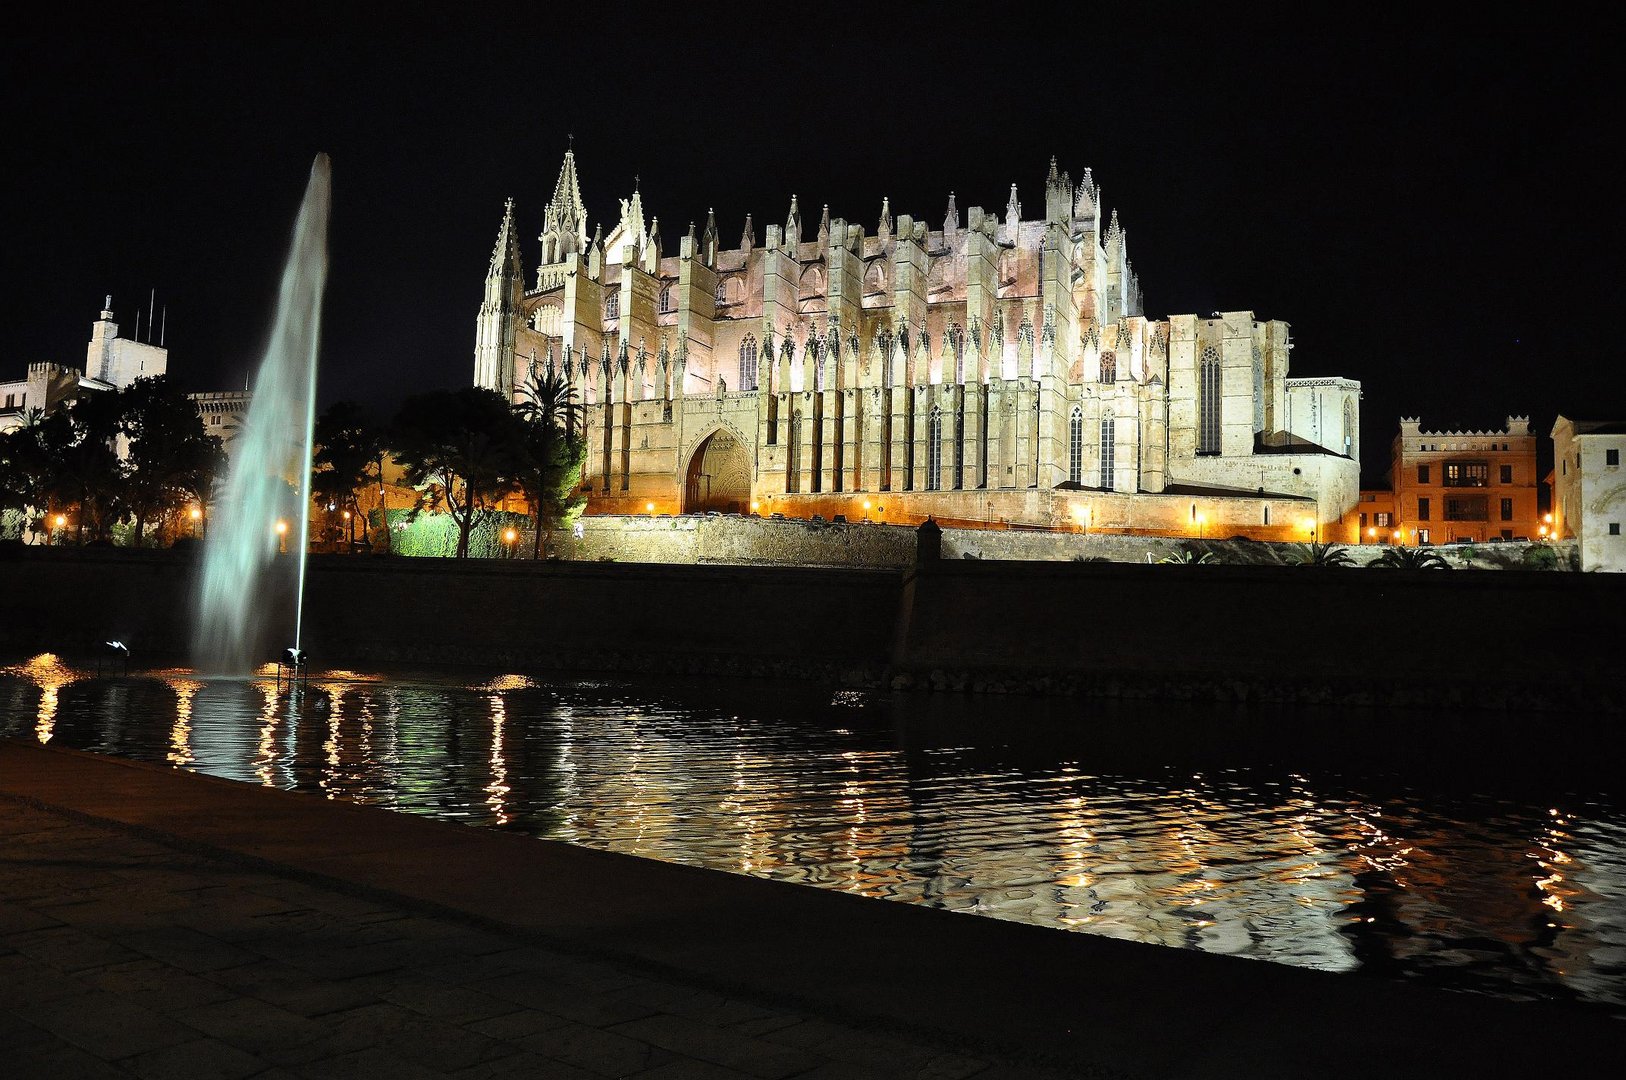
[[282, 528], [1372, 531], [510, 536], [649, 507], [196, 513], [755, 505], [61, 520], [1548, 518]]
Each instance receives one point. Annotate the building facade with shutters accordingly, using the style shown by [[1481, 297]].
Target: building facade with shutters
[[992, 369]]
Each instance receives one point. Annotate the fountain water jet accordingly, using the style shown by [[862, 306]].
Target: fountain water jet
[[270, 476]]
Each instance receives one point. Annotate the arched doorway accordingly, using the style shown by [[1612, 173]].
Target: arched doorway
[[719, 476]]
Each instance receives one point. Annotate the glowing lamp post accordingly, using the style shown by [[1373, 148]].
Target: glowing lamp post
[[282, 538], [1201, 521], [649, 508], [61, 523], [508, 538], [197, 518], [1310, 527]]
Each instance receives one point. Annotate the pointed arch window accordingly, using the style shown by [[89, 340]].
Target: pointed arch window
[[1349, 428], [667, 304], [818, 364], [934, 450], [1075, 446], [885, 349], [748, 363], [1109, 446], [1208, 401], [612, 306], [1109, 367], [722, 290], [956, 338]]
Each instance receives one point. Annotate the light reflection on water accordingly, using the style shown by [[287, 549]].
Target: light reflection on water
[[1502, 894]]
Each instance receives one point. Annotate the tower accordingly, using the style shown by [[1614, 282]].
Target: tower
[[564, 222], [499, 312]]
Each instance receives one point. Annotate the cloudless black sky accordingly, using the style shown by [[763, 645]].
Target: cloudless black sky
[[1438, 217]]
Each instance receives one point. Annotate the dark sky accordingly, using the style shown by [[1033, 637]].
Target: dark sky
[[1436, 217]]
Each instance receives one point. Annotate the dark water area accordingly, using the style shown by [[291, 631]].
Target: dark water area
[[1478, 852]]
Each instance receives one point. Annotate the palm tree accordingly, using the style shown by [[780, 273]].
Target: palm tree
[[550, 418], [1412, 558], [1319, 555], [1188, 558]]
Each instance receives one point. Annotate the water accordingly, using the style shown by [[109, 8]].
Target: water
[[269, 482], [1190, 827]]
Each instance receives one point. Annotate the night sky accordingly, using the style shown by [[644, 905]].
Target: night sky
[[1435, 217]]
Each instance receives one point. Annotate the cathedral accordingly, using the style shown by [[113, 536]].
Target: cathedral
[[987, 370]]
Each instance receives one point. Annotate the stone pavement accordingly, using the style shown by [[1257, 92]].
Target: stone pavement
[[121, 955], [157, 922]]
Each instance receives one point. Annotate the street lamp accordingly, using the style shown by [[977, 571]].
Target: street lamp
[[282, 538], [508, 538], [1201, 521], [1310, 527], [197, 516], [61, 523]]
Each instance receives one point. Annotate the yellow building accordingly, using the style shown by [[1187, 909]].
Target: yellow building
[[1464, 486]]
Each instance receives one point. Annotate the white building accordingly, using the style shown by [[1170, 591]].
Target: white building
[[1589, 490], [113, 363]]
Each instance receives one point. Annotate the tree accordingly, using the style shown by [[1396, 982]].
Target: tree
[[1412, 558], [1319, 555], [26, 469], [552, 452], [461, 449], [80, 442], [347, 458], [172, 460]]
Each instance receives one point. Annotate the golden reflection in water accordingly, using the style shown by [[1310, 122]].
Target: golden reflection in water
[[497, 790], [50, 674], [330, 749], [1549, 856], [266, 753], [506, 682], [180, 733]]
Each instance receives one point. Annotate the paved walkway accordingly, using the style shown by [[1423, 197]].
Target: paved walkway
[[159, 923], [121, 956]]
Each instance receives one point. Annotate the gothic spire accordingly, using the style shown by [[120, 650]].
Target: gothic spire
[[824, 226], [1013, 210], [566, 212], [505, 254], [884, 230], [708, 239], [951, 221], [793, 224], [748, 238]]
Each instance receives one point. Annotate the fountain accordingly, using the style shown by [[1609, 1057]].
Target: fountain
[[242, 586]]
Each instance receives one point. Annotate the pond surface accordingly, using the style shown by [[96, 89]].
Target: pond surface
[[1330, 841]]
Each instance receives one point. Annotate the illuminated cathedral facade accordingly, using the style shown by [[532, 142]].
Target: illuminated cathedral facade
[[986, 370]]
